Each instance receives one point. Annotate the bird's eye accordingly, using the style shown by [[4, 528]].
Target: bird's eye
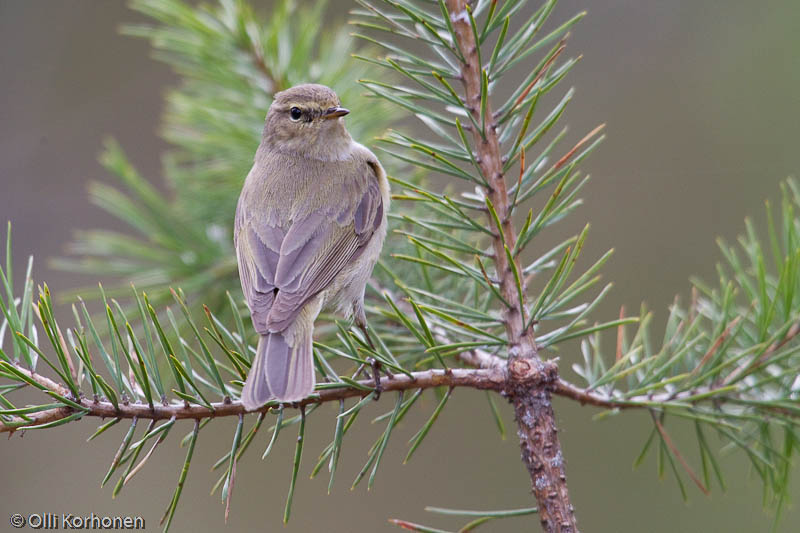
[[295, 113]]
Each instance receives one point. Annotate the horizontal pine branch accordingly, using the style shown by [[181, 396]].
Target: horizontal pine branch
[[494, 378], [476, 378]]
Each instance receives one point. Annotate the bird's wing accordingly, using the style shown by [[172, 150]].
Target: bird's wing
[[282, 270], [318, 246], [257, 251]]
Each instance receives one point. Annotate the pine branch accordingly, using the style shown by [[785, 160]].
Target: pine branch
[[484, 379], [492, 378], [541, 450]]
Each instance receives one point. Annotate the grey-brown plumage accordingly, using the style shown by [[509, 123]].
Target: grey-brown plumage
[[309, 227]]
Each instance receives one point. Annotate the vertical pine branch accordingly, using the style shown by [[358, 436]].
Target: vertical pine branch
[[541, 450]]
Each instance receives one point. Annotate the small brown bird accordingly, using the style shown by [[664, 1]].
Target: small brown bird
[[309, 228]]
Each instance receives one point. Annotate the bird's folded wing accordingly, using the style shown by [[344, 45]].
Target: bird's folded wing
[[318, 247], [257, 250], [302, 261]]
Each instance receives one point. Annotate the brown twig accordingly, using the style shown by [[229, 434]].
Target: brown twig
[[544, 69], [492, 376], [410, 526], [566, 157], [141, 463], [714, 347], [694, 396], [620, 334], [478, 378], [45, 382], [751, 366], [677, 454]]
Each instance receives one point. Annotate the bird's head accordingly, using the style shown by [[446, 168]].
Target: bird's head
[[306, 120]]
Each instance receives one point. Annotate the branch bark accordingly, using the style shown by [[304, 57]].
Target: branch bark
[[477, 378], [541, 450], [493, 377]]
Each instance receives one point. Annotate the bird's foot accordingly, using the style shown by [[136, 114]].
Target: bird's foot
[[376, 375]]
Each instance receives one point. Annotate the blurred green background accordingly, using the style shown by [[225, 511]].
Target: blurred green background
[[702, 102]]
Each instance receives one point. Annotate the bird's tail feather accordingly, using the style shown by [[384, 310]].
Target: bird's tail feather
[[280, 371]]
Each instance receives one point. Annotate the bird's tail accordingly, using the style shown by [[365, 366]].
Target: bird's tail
[[281, 370]]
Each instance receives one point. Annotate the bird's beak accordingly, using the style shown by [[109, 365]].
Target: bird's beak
[[335, 112]]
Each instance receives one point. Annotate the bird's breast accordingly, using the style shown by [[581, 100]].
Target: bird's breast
[[293, 186]]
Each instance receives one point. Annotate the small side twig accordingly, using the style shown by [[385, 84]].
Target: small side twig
[[677, 454]]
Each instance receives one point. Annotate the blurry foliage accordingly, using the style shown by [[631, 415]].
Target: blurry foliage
[[728, 363]]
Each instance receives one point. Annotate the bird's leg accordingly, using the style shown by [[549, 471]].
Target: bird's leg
[[361, 322], [374, 363], [363, 327]]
